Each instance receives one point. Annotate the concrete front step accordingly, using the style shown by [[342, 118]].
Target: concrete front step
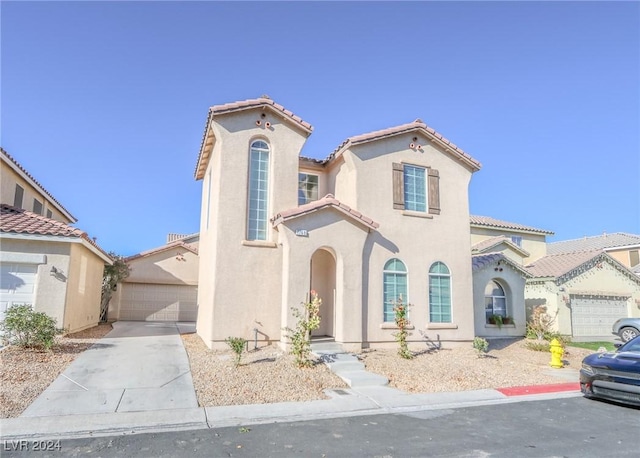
[[326, 348], [362, 378], [346, 365]]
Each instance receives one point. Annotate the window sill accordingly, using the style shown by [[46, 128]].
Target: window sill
[[496, 326], [417, 214], [259, 243], [393, 326], [442, 326]]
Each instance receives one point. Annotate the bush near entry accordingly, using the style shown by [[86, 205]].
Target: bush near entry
[[24, 327]]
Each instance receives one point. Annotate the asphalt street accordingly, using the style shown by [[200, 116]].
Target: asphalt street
[[569, 427]]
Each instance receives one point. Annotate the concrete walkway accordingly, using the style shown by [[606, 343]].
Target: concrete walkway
[[138, 366], [137, 379]]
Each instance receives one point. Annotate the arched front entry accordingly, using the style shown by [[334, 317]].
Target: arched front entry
[[323, 281]]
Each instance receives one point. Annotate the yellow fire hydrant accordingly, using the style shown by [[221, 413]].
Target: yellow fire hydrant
[[556, 354]]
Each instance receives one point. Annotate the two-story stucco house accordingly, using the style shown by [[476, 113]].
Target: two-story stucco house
[[384, 216]]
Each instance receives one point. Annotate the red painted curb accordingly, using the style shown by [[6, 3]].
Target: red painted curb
[[538, 389]]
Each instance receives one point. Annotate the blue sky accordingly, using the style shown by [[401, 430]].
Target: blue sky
[[105, 102]]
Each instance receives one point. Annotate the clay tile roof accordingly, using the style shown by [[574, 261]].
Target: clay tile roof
[[327, 201], [416, 125], [265, 102], [487, 221], [10, 158], [19, 221], [492, 242], [160, 249], [480, 261], [557, 265], [598, 242]]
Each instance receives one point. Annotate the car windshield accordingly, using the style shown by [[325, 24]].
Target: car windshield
[[632, 345]]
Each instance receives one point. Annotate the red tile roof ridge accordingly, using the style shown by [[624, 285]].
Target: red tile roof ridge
[[36, 182], [326, 201], [252, 103]]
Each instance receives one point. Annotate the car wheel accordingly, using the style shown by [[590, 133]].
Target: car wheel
[[628, 333]]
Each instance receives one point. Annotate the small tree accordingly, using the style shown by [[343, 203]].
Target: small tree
[[113, 274], [237, 345], [308, 319], [481, 345], [540, 323], [27, 328], [402, 322]]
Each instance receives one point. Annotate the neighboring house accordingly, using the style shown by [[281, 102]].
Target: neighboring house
[[44, 261], [499, 251], [624, 248], [384, 216], [54, 267], [162, 284], [587, 291], [19, 189]]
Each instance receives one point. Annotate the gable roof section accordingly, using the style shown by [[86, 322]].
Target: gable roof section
[[492, 242], [168, 246], [487, 221], [415, 126], [12, 163], [598, 242], [263, 102], [327, 201], [565, 266], [18, 221], [482, 261]]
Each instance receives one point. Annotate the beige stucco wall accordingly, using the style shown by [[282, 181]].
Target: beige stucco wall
[[238, 290], [535, 244], [164, 268], [8, 180], [622, 256], [513, 284], [84, 289]]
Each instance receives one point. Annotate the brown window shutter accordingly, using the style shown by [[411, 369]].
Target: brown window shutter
[[398, 186], [434, 192]]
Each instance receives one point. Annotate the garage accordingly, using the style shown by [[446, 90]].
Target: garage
[[593, 316], [17, 285], [154, 302]]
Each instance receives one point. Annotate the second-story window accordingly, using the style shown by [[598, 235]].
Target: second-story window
[[37, 206], [17, 199], [258, 198], [415, 189], [517, 240], [307, 188]]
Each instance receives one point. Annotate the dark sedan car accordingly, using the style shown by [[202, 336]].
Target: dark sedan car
[[613, 375]]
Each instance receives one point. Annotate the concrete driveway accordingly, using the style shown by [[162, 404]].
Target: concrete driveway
[[138, 366]]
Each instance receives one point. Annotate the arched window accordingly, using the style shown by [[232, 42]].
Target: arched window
[[395, 287], [258, 198], [439, 293], [495, 300]]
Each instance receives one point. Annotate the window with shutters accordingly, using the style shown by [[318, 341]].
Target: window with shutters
[[258, 202], [17, 199], [416, 189]]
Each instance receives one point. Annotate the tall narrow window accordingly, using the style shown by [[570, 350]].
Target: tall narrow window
[[415, 189], [495, 300], [37, 206], [258, 191], [439, 293], [307, 188], [17, 199], [49, 214], [395, 287]]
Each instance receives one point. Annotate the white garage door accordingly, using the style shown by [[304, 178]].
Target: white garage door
[[17, 285], [592, 317], [150, 302]]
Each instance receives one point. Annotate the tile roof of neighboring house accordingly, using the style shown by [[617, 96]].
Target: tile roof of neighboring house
[[15, 163], [487, 221], [172, 237], [481, 261], [169, 246], [327, 201], [19, 221], [265, 102], [492, 242], [416, 125], [598, 242]]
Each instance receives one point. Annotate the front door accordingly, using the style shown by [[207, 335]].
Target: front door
[[323, 282]]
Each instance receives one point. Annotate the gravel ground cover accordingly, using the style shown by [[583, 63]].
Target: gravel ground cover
[[25, 373], [269, 375]]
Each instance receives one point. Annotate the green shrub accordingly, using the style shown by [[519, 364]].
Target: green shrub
[[308, 320], [402, 322], [237, 345], [27, 328], [481, 345]]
